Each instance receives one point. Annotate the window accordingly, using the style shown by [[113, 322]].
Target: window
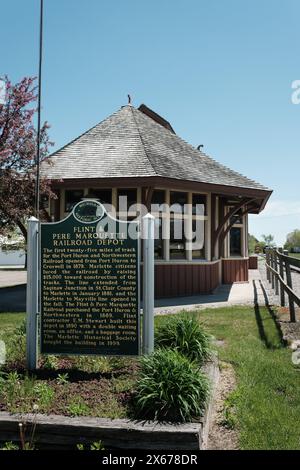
[[158, 199], [199, 204], [235, 241], [102, 195], [158, 240], [199, 216], [177, 239], [72, 197], [236, 219], [126, 199], [198, 242], [177, 201]]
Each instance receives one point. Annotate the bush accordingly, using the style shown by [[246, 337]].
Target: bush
[[187, 335], [170, 387]]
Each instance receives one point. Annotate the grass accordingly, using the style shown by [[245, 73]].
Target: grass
[[294, 255], [9, 322], [265, 407]]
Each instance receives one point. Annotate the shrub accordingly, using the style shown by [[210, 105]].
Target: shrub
[[187, 335], [170, 387]]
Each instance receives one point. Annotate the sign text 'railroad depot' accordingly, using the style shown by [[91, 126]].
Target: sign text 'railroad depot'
[[89, 284]]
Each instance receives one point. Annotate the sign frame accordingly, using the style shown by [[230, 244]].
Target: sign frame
[[138, 277]]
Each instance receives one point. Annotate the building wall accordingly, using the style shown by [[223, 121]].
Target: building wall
[[188, 276], [175, 280], [235, 270]]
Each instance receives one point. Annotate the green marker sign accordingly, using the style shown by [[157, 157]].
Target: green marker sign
[[90, 284]]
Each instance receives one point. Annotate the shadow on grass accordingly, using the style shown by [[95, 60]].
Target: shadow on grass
[[269, 340]]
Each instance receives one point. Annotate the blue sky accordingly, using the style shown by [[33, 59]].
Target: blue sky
[[219, 70]]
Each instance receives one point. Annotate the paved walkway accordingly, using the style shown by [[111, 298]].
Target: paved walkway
[[248, 293], [12, 277]]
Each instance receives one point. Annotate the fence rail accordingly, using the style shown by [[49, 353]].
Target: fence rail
[[279, 267]]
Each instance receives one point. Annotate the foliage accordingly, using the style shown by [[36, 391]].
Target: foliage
[[170, 387], [185, 334], [16, 345], [268, 240], [230, 406], [94, 446], [18, 139], [24, 393], [9, 446], [44, 394], [62, 379], [50, 362], [292, 241], [77, 407], [252, 243]]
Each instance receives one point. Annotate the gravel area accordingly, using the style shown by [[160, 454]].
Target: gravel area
[[221, 437], [275, 299]]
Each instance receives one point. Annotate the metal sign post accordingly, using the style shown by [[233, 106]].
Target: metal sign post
[[32, 294], [148, 284]]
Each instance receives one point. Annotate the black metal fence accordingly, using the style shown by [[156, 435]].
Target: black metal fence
[[279, 273]]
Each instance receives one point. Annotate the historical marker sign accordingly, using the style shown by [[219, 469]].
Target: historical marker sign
[[90, 284]]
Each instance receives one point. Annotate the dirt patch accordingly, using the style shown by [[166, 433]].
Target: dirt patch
[[290, 331], [221, 437]]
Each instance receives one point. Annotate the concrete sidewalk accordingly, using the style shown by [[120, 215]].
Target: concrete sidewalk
[[246, 293], [12, 277]]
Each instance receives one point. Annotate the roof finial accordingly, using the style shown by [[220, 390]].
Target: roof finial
[[129, 99]]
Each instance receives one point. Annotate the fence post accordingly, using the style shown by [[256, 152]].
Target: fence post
[[290, 284], [32, 295], [273, 266], [276, 267], [148, 283], [281, 272], [268, 262]]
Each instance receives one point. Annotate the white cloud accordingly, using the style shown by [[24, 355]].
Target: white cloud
[[279, 218], [280, 208]]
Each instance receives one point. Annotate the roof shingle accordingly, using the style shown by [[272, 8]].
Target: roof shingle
[[131, 144]]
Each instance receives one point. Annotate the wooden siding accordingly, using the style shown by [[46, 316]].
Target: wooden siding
[[253, 261], [175, 280], [235, 270]]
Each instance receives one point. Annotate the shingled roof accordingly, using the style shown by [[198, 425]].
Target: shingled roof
[[130, 143]]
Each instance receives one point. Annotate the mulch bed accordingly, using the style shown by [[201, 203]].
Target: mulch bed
[[82, 393]]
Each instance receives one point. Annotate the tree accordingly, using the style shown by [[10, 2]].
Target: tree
[[18, 139], [268, 240], [292, 240], [252, 243]]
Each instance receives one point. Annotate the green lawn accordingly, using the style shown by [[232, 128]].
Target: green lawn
[[265, 407], [8, 323], [266, 404], [294, 255]]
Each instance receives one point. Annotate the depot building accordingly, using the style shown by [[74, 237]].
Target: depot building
[[136, 153]]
